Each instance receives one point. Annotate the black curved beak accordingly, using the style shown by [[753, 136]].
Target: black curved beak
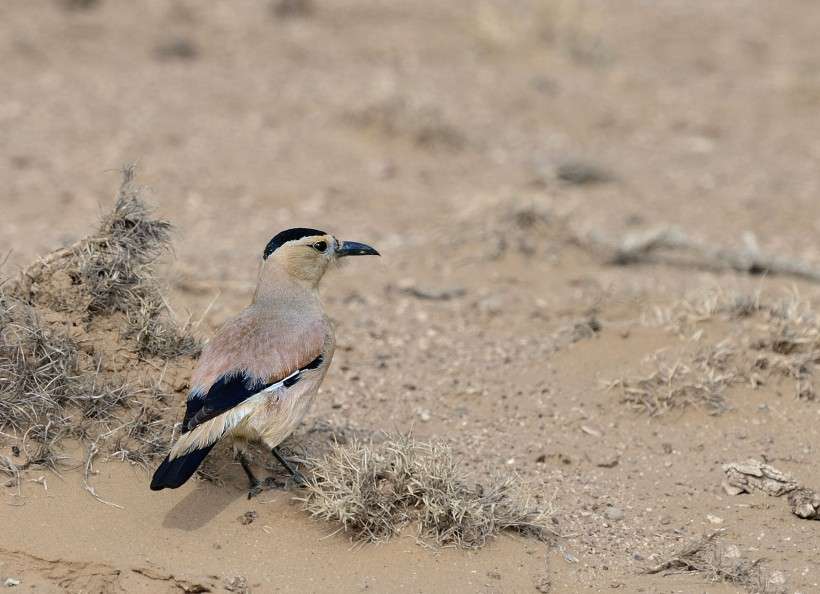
[[354, 248]]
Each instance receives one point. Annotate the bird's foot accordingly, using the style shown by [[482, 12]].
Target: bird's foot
[[294, 474], [258, 486], [299, 479]]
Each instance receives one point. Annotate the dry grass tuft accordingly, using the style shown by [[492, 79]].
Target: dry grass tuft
[[113, 271], [116, 264], [78, 332], [718, 563], [375, 490], [697, 380], [771, 337], [155, 334], [45, 394]]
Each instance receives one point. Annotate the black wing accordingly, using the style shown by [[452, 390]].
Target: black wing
[[229, 391]]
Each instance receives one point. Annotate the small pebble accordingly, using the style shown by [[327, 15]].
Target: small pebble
[[11, 583], [247, 518], [777, 578], [614, 513]]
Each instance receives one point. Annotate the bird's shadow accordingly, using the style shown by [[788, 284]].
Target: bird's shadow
[[203, 504]]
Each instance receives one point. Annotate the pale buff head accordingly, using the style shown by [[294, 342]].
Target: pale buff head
[[305, 254]]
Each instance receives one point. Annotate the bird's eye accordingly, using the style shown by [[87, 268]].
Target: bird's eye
[[320, 246]]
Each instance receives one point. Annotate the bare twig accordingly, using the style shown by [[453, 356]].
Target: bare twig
[[669, 244], [93, 450]]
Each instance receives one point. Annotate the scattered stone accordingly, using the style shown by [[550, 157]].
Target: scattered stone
[[608, 460], [237, 584], [494, 575], [11, 583], [744, 477], [777, 578], [292, 8], [590, 431], [424, 415], [491, 305], [614, 514], [586, 328], [543, 585], [178, 48], [432, 294], [247, 518], [805, 503], [581, 173], [80, 4], [714, 519]]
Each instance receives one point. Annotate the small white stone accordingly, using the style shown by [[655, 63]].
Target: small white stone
[[11, 582], [614, 513], [714, 519], [778, 578]]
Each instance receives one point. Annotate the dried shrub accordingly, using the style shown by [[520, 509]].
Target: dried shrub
[[155, 334], [116, 265], [113, 271], [699, 379], [375, 490], [771, 337], [75, 331], [719, 563]]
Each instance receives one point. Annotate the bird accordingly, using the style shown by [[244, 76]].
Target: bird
[[259, 374]]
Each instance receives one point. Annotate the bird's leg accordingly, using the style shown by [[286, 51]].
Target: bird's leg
[[295, 474], [246, 466], [256, 486]]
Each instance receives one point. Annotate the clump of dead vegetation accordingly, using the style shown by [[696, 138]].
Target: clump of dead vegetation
[[78, 332], [761, 340], [719, 563], [699, 379], [774, 337], [373, 491]]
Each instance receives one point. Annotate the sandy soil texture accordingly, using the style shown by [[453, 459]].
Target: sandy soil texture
[[496, 153]]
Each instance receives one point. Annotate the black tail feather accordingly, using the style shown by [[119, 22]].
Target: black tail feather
[[174, 473]]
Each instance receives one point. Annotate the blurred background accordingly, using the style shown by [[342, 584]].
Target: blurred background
[[382, 120], [479, 145]]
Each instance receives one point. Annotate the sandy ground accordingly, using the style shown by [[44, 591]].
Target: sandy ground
[[427, 129]]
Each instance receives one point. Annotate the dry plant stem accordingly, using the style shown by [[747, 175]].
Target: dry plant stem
[[93, 450], [682, 559], [654, 246], [705, 556]]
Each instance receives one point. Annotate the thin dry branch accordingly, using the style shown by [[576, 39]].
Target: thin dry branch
[[93, 450], [706, 556], [670, 245]]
